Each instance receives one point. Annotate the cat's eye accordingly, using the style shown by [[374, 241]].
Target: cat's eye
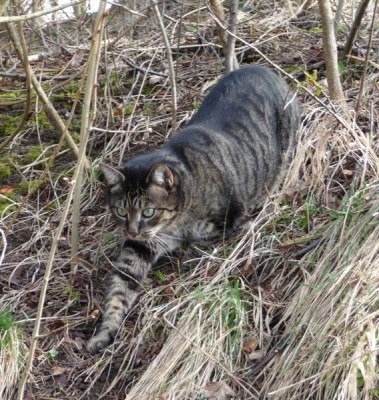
[[121, 211], [148, 212]]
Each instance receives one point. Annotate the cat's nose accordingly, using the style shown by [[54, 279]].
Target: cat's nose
[[133, 234]]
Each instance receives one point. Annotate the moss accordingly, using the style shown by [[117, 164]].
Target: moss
[[149, 89], [25, 187], [43, 121], [8, 124], [32, 155], [76, 137], [6, 171], [128, 110]]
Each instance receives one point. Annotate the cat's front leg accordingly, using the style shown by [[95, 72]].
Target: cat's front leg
[[130, 271]]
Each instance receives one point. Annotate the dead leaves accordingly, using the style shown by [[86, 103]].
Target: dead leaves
[[218, 391]]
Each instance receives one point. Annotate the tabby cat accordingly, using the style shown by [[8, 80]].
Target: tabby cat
[[203, 181]]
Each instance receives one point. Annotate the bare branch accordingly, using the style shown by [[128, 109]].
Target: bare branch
[[231, 62], [363, 78], [354, 28]]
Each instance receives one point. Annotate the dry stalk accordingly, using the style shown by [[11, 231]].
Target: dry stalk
[[174, 105], [88, 114]]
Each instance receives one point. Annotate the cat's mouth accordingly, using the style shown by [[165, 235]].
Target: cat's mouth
[[138, 236]]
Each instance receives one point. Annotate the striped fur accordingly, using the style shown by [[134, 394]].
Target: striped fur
[[203, 181]]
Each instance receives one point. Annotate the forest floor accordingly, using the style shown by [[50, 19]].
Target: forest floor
[[285, 309]]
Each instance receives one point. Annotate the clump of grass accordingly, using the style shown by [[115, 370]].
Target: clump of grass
[[336, 353], [11, 354]]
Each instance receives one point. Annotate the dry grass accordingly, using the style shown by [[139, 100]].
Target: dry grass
[[285, 309]]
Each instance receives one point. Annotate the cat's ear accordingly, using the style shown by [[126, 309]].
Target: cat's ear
[[112, 175], [162, 175]]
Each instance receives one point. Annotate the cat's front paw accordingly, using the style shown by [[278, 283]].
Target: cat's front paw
[[99, 341]]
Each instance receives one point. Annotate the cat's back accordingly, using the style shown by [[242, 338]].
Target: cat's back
[[241, 136], [252, 103]]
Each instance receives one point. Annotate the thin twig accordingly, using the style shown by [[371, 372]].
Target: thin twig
[[171, 68]]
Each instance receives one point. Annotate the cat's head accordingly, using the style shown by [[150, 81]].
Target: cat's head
[[144, 201]]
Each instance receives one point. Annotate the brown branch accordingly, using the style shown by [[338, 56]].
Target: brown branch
[[354, 28], [363, 78]]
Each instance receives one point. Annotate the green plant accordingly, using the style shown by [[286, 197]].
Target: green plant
[[8, 203], [311, 80], [25, 187]]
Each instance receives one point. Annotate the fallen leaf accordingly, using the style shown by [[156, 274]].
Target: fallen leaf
[[7, 189], [168, 290], [249, 345], [117, 112], [218, 391], [58, 371]]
